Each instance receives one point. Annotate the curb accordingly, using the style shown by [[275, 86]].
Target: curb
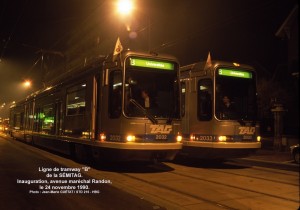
[[265, 163]]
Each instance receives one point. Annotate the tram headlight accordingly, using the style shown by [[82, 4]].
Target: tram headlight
[[130, 138], [258, 138], [222, 138], [192, 137], [179, 138], [102, 137]]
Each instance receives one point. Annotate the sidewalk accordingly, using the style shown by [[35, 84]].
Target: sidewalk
[[267, 153], [271, 155]]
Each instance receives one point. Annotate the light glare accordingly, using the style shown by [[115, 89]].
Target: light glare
[[27, 84], [125, 7], [179, 138], [222, 138], [258, 138], [130, 138]]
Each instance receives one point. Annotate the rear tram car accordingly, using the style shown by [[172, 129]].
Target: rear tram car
[[99, 111], [219, 110]]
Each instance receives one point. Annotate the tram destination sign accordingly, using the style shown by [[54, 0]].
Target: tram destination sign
[[140, 62], [235, 73]]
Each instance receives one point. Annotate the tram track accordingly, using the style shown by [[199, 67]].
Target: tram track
[[232, 186], [197, 179], [177, 186], [292, 177], [259, 176], [216, 204], [167, 188], [227, 166], [284, 172], [266, 179], [256, 177]]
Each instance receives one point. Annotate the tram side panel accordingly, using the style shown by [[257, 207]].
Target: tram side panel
[[46, 125]]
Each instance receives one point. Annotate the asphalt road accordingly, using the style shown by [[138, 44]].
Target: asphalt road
[[20, 167]]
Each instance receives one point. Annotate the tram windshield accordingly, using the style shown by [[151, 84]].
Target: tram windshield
[[235, 94], [151, 89]]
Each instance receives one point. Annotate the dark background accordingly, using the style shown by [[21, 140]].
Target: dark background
[[69, 32]]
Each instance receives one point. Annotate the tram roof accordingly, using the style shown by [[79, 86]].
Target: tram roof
[[91, 64], [151, 54], [203, 65]]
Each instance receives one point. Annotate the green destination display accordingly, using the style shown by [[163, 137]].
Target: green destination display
[[235, 73], [151, 64]]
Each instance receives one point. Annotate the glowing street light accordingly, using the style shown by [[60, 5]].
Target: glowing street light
[[125, 7], [27, 84]]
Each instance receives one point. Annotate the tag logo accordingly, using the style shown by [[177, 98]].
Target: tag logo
[[163, 129], [247, 130]]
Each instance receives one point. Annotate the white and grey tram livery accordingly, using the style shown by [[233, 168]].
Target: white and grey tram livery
[[99, 111], [209, 131]]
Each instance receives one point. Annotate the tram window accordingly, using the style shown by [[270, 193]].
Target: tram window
[[18, 121], [36, 120], [28, 116], [47, 119], [241, 93], [204, 100], [76, 100], [115, 94]]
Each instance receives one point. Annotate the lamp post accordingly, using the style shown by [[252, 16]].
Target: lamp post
[[278, 111]]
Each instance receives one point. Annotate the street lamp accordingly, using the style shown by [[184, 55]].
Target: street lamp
[[125, 7], [27, 84], [124, 10]]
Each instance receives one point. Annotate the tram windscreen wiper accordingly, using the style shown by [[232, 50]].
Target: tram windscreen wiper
[[170, 118], [145, 112]]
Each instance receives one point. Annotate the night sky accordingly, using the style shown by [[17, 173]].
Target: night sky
[[233, 30]]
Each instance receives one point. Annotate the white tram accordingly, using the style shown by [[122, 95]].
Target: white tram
[[209, 131], [98, 111]]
